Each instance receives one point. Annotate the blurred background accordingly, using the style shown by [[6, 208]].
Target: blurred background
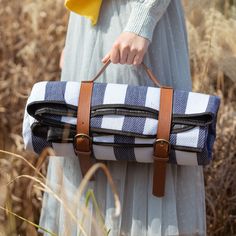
[[32, 36]]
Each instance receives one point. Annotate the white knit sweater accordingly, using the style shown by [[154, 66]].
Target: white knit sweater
[[144, 16]]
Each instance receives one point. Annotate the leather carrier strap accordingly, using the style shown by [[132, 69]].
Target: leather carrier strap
[[82, 140], [148, 71], [162, 144]]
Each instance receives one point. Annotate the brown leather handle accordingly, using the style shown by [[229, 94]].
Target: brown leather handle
[[148, 71]]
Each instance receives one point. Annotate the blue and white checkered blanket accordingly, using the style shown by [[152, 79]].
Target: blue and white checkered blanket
[[124, 121]]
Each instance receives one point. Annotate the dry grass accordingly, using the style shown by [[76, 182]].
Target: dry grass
[[212, 40], [32, 35]]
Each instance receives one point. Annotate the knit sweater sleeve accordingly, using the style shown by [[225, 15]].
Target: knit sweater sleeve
[[144, 16]]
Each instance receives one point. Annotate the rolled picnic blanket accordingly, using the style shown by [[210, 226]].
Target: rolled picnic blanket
[[123, 122]]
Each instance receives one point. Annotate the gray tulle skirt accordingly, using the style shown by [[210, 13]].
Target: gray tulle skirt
[[182, 210]]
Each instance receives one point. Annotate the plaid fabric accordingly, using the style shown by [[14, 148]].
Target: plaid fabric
[[124, 121]]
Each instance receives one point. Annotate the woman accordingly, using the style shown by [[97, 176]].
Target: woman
[[129, 32]]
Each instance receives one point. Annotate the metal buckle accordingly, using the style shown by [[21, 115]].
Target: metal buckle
[[162, 143], [81, 135]]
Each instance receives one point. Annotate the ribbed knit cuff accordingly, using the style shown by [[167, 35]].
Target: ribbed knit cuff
[[144, 17]]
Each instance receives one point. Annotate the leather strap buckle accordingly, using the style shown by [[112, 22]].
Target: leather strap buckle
[[162, 144], [83, 136]]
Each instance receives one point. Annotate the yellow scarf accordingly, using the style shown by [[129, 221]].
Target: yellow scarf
[[87, 8]]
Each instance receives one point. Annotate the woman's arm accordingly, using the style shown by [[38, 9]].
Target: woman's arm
[[132, 44]]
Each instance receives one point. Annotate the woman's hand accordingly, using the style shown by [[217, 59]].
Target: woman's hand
[[129, 48]]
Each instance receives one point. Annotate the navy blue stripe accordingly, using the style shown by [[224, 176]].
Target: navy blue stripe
[[172, 157], [133, 97], [98, 93], [212, 106], [124, 153], [213, 103], [97, 99], [203, 157], [136, 97], [55, 91], [202, 137], [173, 139], [180, 100], [96, 122], [134, 124], [39, 144]]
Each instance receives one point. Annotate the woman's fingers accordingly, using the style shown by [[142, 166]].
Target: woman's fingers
[[125, 55], [138, 58], [124, 52], [104, 60], [129, 48], [131, 56], [115, 54], [126, 58]]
